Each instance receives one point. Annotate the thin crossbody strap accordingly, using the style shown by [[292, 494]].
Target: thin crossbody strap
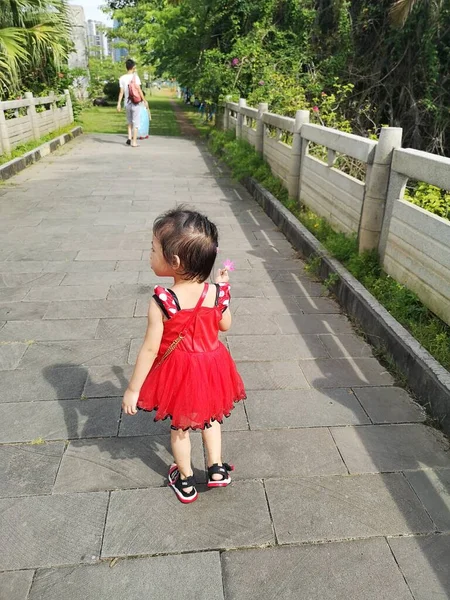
[[182, 333]]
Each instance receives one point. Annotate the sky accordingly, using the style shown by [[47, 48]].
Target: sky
[[92, 11]]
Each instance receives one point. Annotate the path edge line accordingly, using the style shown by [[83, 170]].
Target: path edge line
[[16, 165], [425, 377]]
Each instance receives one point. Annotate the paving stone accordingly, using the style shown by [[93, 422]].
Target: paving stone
[[345, 372], [424, 564], [360, 570], [282, 347], [318, 305], [381, 448], [121, 328], [115, 254], [63, 420], [25, 266], [91, 309], [84, 266], [73, 292], [49, 330], [271, 409], [30, 279], [27, 469], [85, 352], [300, 289], [258, 306], [13, 294], [282, 453], [433, 489], [15, 585], [10, 355], [105, 381], [121, 463], [389, 405], [346, 346], [23, 311], [134, 265], [44, 531], [56, 382], [134, 578], [216, 520], [130, 291], [42, 254], [337, 324], [344, 507], [106, 278], [272, 375]]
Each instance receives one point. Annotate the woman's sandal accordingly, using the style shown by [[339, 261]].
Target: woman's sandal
[[179, 485], [222, 470]]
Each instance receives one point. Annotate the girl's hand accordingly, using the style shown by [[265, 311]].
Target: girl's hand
[[129, 402], [222, 276]]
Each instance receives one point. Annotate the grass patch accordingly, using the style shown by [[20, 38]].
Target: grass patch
[[31, 145], [106, 119], [403, 304]]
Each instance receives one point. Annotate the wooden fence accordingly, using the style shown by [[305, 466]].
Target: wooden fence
[[31, 118]]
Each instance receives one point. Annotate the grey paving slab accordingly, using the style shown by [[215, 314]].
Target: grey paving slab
[[115, 254], [11, 354], [63, 420], [381, 448], [85, 266], [272, 375], [82, 292], [157, 578], [360, 570], [111, 464], [263, 306], [389, 405], [15, 585], [344, 507], [23, 311], [282, 453], [42, 254], [433, 489], [271, 409], [49, 330], [328, 323], [282, 347], [27, 469], [300, 289], [44, 531], [318, 305], [121, 328], [251, 325], [77, 352], [104, 278], [134, 265], [56, 382], [346, 346], [90, 309], [13, 294], [30, 279], [130, 291], [216, 520], [424, 564], [25, 266], [105, 381], [345, 372]]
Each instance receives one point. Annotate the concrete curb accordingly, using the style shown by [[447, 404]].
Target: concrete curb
[[426, 378], [19, 164]]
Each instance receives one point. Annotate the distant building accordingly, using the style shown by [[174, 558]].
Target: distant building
[[118, 54], [78, 59], [96, 38]]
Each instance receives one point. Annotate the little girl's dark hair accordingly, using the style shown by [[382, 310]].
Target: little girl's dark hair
[[192, 237]]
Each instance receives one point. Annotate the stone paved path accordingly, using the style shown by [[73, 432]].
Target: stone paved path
[[340, 491]]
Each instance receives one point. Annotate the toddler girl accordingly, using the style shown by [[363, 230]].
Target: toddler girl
[[182, 370]]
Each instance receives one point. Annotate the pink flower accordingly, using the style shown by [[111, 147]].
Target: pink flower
[[261, 82], [323, 94], [235, 62], [316, 109], [228, 265]]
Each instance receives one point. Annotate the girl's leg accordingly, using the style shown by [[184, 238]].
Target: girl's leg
[[181, 450], [212, 438]]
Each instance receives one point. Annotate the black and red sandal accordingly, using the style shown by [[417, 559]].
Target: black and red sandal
[[222, 470], [179, 486]]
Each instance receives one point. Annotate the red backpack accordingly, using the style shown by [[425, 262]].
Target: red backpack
[[133, 91]]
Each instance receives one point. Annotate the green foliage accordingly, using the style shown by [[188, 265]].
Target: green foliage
[[430, 198], [103, 72]]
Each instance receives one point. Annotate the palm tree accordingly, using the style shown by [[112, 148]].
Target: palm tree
[[401, 10], [32, 33]]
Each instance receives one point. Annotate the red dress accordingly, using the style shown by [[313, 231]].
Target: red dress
[[198, 381]]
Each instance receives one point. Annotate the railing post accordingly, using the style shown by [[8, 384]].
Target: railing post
[[53, 110], [240, 118], [396, 189], [4, 135], [377, 180], [226, 114], [32, 115], [293, 178], [69, 105], [263, 107]]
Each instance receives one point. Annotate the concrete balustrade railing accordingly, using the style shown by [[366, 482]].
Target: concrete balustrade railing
[[414, 244], [17, 128]]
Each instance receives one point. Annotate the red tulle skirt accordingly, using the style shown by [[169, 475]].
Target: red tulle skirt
[[193, 388]]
